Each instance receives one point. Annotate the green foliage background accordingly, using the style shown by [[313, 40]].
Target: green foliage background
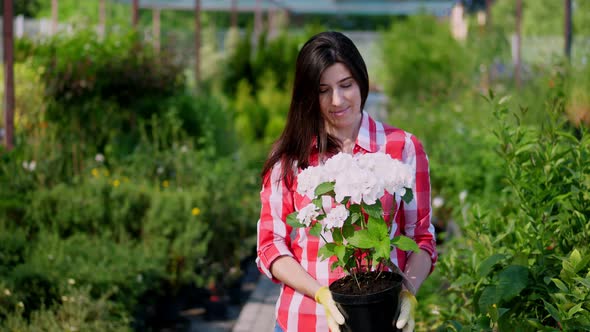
[[130, 181]]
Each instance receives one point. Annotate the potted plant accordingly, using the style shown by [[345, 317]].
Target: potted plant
[[346, 212]]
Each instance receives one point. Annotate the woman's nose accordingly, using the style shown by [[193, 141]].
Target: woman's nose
[[336, 97]]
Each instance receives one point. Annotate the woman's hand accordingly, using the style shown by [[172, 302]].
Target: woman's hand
[[333, 315], [408, 304]]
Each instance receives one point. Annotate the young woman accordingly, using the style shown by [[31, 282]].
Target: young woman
[[326, 117]]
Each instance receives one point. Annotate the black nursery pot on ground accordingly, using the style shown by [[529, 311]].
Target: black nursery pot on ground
[[372, 307]]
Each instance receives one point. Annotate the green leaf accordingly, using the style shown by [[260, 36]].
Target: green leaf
[[575, 309], [361, 239], [337, 236], [347, 231], [488, 298], [317, 202], [293, 221], [316, 229], [374, 210], [408, 196], [327, 251], [512, 280], [456, 326], [584, 281], [377, 228], [324, 188], [463, 280], [552, 310], [562, 287], [340, 253], [488, 264], [405, 243], [354, 218], [382, 250], [575, 258], [354, 208]]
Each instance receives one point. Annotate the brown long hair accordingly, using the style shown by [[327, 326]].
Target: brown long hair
[[304, 121]]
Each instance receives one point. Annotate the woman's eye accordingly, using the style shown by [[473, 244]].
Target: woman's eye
[[346, 85], [323, 91]]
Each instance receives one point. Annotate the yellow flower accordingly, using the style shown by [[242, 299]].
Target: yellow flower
[[105, 172], [116, 183], [165, 183], [196, 211], [95, 172]]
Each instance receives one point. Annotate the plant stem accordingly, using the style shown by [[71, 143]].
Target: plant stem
[[357, 281]]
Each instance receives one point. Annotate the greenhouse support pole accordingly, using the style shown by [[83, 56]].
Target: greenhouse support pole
[[54, 16], [156, 28], [489, 14], [234, 13], [197, 42], [102, 18], [135, 14], [257, 20], [517, 60], [8, 47], [568, 29]]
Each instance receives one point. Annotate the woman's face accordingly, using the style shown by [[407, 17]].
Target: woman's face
[[340, 99]]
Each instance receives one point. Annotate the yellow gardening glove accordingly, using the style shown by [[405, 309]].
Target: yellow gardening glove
[[335, 318], [408, 304]]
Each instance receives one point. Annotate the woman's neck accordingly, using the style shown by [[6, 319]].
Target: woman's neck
[[348, 136]]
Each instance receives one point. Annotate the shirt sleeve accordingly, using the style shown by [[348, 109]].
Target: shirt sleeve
[[273, 232], [417, 213]]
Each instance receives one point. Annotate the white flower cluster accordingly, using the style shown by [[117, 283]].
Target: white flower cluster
[[362, 178]]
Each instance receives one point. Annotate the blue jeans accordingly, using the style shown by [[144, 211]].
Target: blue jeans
[[278, 328]]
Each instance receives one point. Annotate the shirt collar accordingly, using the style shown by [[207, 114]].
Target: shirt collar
[[363, 139], [367, 129]]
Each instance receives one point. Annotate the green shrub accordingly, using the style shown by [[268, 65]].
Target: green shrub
[[77, 311], [71, 209], [523, 261], [13, 247], [176, 217], [33, 287], [124, 270], [430, 64]]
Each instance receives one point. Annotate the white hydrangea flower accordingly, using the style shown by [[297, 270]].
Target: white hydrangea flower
[[350, 183], [338, 164], [307, 214], [309, 179], [336, 217], [364, 177]]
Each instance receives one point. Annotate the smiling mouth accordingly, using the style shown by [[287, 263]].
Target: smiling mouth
[[340, 111]]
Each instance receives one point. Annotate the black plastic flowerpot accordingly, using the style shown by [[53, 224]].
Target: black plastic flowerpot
[[373, 311]]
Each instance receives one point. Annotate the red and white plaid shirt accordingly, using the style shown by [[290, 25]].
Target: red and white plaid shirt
[[296, 312]]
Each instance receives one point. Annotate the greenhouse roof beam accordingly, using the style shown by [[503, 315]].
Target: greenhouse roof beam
[[334, 7]]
